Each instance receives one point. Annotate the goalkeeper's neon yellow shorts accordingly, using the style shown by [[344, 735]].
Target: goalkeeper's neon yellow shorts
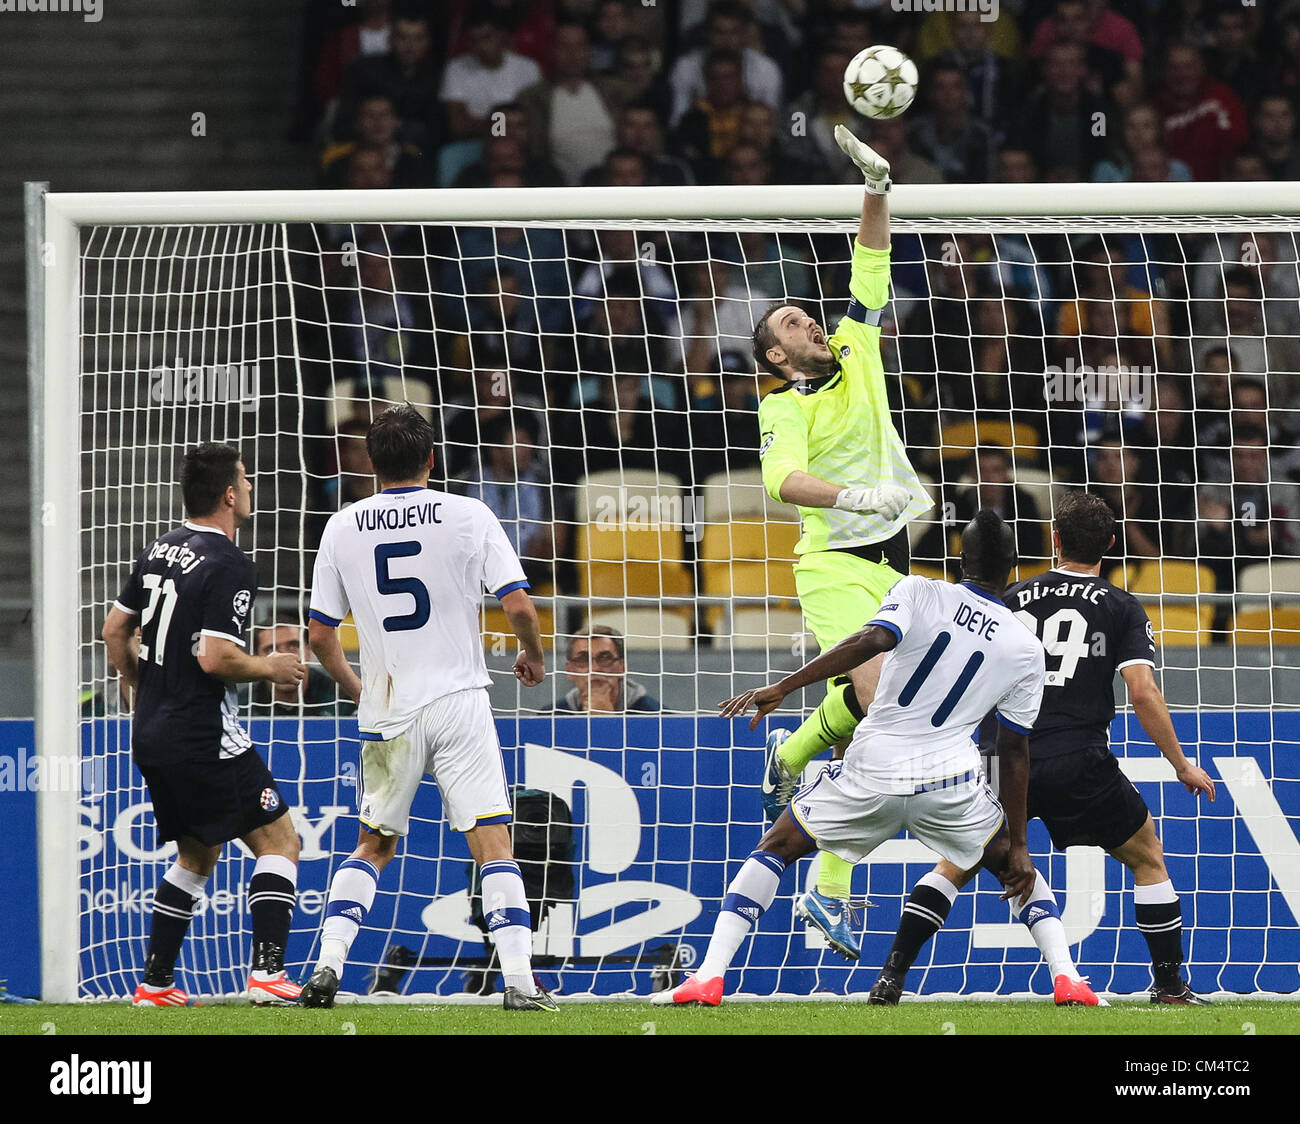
[[839, 592]]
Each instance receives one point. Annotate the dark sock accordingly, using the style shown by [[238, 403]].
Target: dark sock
[[172, 910], [1162, 926], [270, 899], [924, 913]]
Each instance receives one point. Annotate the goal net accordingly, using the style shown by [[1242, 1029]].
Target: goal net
[[585, 358]]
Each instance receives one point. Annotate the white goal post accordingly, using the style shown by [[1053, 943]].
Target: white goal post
[[59, 225]]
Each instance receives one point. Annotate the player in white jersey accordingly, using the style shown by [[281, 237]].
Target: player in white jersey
[[410, 565], [955, 653]]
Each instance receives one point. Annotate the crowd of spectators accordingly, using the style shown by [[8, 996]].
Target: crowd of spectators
[[547, 354]]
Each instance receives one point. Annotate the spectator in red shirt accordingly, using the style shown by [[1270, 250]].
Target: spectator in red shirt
[[1111, 45], [1205, 122], [1105, 28]]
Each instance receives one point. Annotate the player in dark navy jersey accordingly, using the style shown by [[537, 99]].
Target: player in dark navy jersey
[[191, 595], [1090, 630]]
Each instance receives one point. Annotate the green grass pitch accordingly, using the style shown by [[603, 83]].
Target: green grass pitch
[[1124, 1018]]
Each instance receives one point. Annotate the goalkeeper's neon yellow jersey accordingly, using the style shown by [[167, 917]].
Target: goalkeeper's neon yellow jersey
[[842, 431]]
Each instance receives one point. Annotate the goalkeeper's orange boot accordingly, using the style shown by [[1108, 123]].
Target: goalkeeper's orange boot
[[705, 993], [277, 991], [1075, 993], [147, 996]]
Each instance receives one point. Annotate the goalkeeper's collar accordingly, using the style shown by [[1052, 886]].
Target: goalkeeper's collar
[[812, 386]]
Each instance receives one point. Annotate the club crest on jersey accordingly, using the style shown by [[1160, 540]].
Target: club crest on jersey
[[241, 603], [270, 800], [845, 351]]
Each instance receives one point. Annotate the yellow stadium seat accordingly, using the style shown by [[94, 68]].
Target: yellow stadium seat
[[495, 625], [959, 439], [1180, 626], [630, 541], [922, 571], [1163, 575], [1278, 625]]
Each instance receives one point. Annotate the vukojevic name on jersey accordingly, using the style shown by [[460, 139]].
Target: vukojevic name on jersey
[[190, 583], [960, 654], [410, 565], [840, 428], [1090, 630]]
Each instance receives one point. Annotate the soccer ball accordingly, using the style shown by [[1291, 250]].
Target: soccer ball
[[880, 82]]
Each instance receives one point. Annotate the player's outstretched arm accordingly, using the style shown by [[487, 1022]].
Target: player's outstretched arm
[[1149, 705], [227, 660], [530, 666], [1013, 758], [873, 229], [327, 648], [845, 656], [118, 629]]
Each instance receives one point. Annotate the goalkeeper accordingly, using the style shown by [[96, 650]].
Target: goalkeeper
[[828, 446]]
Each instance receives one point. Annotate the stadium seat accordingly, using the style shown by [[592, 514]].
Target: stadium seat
[[352, 397], [1177, 623], [630, 540], [769, 628], [923, 571], [655, 629], [1180, 626], [959, 439], [1038, 483], [1275, 576], [1278, 625], [747, 549], [494, 623], [1163, 575], [740, 494]]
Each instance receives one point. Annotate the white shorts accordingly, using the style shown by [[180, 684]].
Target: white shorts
[[956, 820], [454, 740]]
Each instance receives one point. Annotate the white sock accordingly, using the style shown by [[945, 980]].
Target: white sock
[[352, 893], [937, 881], [1158, 893], [748, 897], [195, 884], [1043, 920], [510, 924]]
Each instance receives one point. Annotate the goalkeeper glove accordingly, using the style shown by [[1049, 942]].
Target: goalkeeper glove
[[889, 500], [873, 166]]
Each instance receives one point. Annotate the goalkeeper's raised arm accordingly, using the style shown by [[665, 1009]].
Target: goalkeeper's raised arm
[[828, 446]]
